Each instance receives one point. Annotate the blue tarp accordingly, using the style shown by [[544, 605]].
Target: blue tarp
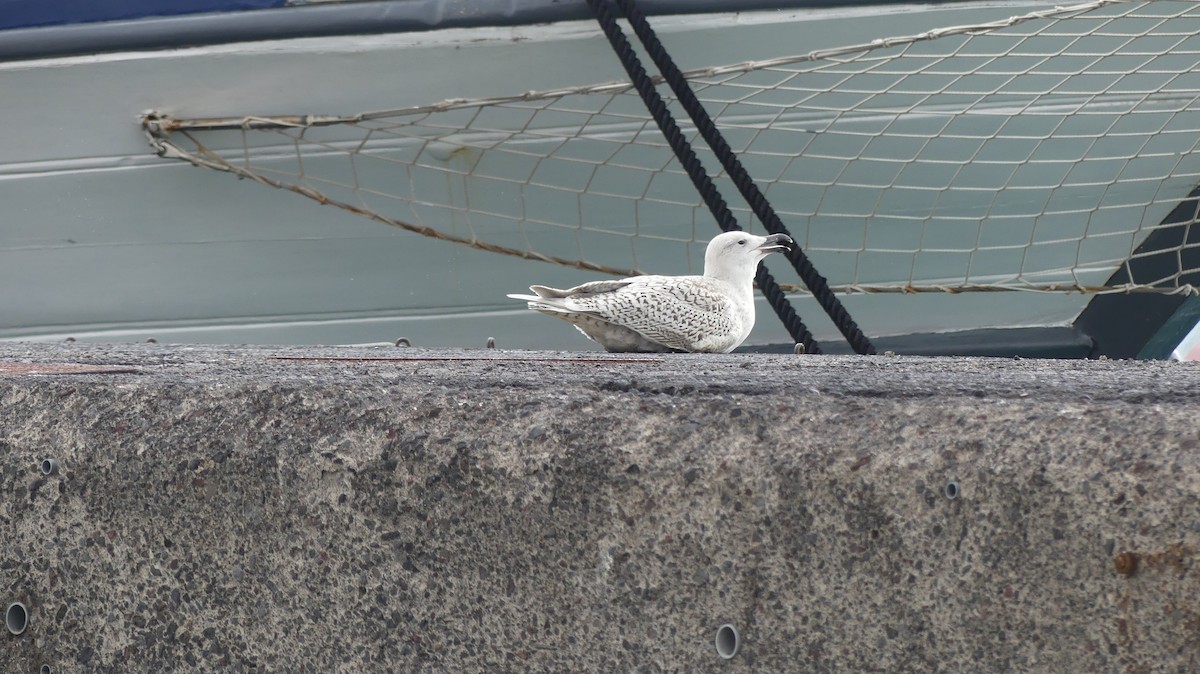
[[30, 13], [45, 28]]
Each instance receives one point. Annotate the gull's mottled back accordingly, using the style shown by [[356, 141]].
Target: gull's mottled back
[[710, 313]]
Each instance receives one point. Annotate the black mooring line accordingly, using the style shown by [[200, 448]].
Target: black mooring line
[[733, 167], [695, 170]]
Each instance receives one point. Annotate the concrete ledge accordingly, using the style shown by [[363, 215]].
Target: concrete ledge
[[497, 511]]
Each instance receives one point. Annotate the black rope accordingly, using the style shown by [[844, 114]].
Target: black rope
[[758, 203], [741, 178], [695, 170]]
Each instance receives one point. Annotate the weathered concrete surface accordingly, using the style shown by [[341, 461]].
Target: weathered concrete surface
[[224, 509]]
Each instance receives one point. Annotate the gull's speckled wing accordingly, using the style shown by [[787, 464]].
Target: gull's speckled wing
[[680, 312]]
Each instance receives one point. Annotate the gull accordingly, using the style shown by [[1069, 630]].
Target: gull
[[712, 313]]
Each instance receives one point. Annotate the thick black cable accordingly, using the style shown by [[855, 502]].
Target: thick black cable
[[695, 170], [741, 178]]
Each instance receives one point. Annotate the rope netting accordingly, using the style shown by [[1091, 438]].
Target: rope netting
[[1041, 153]]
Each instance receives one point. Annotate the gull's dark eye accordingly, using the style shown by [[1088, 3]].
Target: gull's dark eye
[[742, 242]]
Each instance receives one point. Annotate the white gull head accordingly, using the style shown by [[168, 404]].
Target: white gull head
[[734, 256]]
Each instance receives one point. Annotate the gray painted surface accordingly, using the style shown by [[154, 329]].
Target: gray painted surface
[[219, 508], [102, 240]]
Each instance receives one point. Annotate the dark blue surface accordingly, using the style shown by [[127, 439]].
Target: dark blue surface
[[30, 13], [46, 28]]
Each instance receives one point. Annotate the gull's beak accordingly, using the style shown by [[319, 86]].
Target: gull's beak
[[775, 242]]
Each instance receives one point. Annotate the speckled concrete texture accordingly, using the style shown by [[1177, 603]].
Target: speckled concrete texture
[[317, 510]]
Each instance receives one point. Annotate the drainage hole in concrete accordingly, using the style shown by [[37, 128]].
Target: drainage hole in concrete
[[16, 617], [952, 490], [727, 641]]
